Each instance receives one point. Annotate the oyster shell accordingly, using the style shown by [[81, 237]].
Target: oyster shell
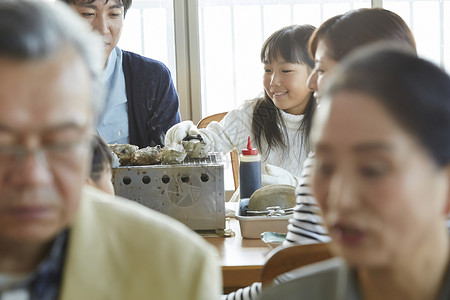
[[146, 156], [195, 148], [123, 152], [172, 156]]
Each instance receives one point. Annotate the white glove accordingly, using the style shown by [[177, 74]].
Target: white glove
[[275, 175], [115, 162], [177, 133]]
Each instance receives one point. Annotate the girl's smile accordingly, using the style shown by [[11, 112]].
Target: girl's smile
[[285, 83]]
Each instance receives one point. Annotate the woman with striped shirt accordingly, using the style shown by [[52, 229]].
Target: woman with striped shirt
[[329, 44]]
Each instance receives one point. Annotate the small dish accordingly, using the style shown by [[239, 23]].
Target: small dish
[[273, 239]]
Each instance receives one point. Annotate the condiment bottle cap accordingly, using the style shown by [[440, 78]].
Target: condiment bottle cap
[[249, 150]]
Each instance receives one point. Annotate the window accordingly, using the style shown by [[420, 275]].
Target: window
[[429, 21], [149, 30], [231, 35], [212, 46], [221, 40]]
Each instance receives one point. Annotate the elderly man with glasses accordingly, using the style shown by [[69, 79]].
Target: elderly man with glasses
[[60, 239]]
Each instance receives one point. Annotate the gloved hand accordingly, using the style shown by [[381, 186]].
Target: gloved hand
[[275, 175], [177, 133]]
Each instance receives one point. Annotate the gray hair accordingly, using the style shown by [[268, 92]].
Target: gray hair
[[31, 30]]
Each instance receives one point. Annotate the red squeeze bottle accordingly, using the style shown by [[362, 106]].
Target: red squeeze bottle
[[249, 171]]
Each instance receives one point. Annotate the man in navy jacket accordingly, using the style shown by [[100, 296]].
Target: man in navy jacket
[[141, 102]]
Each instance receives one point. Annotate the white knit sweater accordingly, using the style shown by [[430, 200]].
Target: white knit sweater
[[232, 132]]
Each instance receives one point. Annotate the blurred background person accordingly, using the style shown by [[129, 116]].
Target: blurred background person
[[341, 34], [329, 44], [382, 179]]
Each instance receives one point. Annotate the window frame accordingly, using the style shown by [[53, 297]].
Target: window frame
[[187, 44]]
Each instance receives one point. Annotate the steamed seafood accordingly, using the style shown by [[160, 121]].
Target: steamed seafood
[[124, 152], [171, 156], [146, 156]]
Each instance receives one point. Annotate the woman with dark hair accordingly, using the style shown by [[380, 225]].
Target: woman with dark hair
[[279, 122], [340, 35], [330, 42], [382, 179], [352, 30]]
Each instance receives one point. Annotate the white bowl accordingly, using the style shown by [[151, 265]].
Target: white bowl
[[253, 226]]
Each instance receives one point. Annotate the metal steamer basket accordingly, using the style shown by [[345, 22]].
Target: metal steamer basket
[[191, 192]]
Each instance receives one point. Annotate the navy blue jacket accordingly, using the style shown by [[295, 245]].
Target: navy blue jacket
[[152, 100]]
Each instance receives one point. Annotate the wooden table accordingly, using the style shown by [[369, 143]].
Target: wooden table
[[242, 259]]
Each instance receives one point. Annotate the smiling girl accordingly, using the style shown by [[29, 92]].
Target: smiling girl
[[278, 123]]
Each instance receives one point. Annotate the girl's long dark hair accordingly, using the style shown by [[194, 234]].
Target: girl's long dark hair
[[291, 44]]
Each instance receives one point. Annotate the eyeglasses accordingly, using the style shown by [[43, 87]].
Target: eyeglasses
[[51, 153]]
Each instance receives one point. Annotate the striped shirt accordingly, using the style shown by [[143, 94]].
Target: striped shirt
[[305, 227]]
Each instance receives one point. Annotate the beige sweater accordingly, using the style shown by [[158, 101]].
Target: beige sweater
[[119, 249]]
